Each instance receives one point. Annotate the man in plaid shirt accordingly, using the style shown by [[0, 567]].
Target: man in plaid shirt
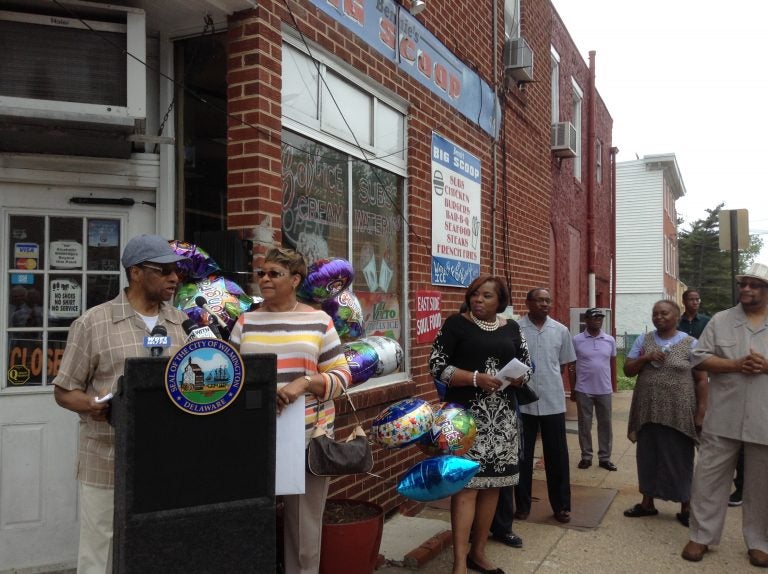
[[98, 343]]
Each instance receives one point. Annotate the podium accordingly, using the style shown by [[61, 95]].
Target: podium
[[194, 494]]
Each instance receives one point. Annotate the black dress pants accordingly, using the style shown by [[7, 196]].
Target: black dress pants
[[555, 449]]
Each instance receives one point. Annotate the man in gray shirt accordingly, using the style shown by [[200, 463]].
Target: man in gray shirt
[[551, 350], [733, 349]]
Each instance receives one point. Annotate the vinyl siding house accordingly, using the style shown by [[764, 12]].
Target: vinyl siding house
[[646, 238]]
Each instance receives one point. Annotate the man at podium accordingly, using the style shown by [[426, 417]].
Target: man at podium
[[98, 343]]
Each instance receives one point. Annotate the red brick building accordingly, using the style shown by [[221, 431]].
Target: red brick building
[[419, 147]]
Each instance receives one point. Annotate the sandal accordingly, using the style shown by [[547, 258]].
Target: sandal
[[638, 511]]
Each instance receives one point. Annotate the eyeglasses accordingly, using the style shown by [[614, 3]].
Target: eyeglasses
[[751, 284], [272, 273], [164, 271]]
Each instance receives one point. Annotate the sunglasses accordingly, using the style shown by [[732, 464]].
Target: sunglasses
[[164, 271], [751, 284], [272, 273]]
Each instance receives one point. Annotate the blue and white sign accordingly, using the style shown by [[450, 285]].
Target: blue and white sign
[[456, 215], [391, 30]]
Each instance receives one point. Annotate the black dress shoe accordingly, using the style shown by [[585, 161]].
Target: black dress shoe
[[584, 463], [510, 539], [607, 465], [472, 565]]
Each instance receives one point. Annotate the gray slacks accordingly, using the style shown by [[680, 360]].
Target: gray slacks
[[601, 404], [712, 484]]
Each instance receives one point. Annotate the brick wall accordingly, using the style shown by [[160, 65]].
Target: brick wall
[[519, 206]]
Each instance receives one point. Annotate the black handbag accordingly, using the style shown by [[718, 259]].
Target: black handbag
[[525, 395], [328, 457]]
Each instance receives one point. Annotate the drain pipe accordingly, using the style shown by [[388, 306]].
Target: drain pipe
[[494, 157], [592, 248]]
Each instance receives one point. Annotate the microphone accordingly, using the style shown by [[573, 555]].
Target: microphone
[[213, 317], [157, 340], [194, 332]]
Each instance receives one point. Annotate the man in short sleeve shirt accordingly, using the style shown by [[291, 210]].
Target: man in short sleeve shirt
[[98, 343], [551, 350], [733, 349], [593, 391]]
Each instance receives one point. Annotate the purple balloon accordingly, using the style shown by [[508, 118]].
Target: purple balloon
[[362, 360], [198, 264], [326, 278], [347, 315], [437, 477]]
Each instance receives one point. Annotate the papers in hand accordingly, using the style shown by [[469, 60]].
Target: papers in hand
[[512, 370]]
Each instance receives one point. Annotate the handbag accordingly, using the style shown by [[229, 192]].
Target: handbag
[[525, 395], [328, 457]]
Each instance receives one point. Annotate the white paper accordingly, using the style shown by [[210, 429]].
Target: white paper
[[512, 370], [289, 454]]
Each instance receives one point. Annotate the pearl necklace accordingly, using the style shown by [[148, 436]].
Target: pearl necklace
[[485, 325]]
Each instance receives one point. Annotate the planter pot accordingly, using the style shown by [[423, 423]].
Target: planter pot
[[351, 536]]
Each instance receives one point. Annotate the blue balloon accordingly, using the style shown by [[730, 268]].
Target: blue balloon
[[437, 477]]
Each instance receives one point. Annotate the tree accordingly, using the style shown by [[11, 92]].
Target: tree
[[704, 267]]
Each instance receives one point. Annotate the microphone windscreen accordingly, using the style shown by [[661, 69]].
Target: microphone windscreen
[[200, 301], [189, 325], [159, 331]]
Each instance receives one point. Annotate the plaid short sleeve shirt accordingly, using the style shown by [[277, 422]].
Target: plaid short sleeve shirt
[[94, 358]]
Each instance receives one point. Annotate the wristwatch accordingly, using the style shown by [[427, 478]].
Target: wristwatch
[[308, 379]]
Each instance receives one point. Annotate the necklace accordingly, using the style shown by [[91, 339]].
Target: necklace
[[485, 325], [291, 311]]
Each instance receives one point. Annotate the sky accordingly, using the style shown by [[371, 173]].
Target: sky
[[687, 77]]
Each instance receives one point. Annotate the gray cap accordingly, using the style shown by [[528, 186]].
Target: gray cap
[[148, 248]]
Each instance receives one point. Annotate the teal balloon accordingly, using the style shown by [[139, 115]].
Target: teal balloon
[[437, 477]]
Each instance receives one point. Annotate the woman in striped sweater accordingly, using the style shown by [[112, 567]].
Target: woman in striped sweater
[[310, 363]]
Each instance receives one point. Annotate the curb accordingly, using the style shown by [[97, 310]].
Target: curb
[[428, 550]]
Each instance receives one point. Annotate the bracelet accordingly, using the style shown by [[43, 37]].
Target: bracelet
[[474, 379]]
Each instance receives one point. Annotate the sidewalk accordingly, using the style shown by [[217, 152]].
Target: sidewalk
[[618, 544]]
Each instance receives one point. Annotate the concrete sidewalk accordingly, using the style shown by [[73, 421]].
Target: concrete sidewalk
[[618, 544]]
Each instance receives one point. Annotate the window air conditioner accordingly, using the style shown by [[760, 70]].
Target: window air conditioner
[[518, 60], [55, 68], [564, 139]]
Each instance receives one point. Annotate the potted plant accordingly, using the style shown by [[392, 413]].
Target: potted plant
[[351, 536]]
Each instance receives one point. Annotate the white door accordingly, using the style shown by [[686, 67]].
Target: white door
[[58, 259]]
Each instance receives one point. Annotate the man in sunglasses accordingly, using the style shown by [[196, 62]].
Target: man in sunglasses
[[733, 349], [98, 344]]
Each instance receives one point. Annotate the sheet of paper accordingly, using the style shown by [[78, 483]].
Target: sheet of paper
[[512, 370], [289, 454]]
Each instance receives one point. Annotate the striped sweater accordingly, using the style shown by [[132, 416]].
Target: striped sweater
[[306, 343]]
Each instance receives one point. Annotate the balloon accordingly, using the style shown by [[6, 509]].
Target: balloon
[[347, 315], [438, 477], [362, 360], [224, 297], [453, 431], [198, 264], [326, 278], [390, 354], [402, 423]]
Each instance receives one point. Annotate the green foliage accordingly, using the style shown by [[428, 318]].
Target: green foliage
[[623, 383], [704, 267]]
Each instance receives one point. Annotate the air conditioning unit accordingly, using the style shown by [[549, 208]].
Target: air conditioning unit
[[518, 60], [564, 139], [60, 69]]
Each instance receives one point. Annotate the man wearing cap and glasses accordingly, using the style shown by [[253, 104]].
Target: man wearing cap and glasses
[[592, 391], [98, 343], [733, 349]]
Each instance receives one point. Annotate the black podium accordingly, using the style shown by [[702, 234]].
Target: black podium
[[194, 494]]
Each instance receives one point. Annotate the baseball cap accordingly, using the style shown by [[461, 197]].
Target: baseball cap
[[148, 248], [594, 312]]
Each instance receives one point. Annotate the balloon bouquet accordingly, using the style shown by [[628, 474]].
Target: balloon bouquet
[[328, 284], [202, 284]]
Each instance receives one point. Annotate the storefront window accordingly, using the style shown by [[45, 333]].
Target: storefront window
[[57, 268], [319, 187]]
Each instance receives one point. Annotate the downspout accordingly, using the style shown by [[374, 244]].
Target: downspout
[[614, 152], [494, 159], [591, 247]]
